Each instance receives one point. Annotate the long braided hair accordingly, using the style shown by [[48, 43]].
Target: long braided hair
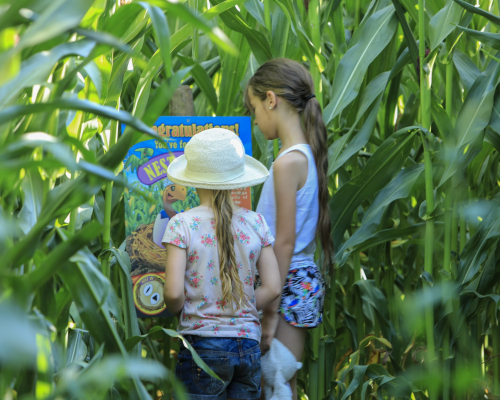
[[232, 287]]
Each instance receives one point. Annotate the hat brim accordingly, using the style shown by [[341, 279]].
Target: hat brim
[[255, 173]]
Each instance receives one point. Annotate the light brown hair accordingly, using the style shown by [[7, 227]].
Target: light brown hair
[[232, 287], [290, 81]]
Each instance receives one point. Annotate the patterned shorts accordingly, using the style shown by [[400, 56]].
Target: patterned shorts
[[303, 296]]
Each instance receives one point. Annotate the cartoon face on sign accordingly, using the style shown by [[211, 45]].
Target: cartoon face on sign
[[148, 294], [172, 193]]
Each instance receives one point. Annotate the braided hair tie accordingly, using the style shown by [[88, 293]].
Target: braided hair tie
[[310, 97]]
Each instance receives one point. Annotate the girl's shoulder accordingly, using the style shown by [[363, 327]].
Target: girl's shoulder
[[294, 157], [244, 214], [178, 217], [199, 210], [198, 216], [185, 217]]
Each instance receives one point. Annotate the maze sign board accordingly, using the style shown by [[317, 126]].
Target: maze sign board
[[145, 167]]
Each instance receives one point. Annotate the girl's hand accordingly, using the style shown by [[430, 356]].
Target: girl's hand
[[269, 273], [269, 326]]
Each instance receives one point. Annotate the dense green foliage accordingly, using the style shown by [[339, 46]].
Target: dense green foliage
[[409, 91]]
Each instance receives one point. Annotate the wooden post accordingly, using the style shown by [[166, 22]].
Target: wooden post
[[182, 104]]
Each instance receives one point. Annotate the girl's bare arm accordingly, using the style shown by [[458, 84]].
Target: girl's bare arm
[[288, 176], [174, 278], [267, 265]]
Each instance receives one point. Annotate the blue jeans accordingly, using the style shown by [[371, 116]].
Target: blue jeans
[[235, 360]]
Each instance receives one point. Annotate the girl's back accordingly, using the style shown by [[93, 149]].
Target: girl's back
[[205, 312], [307, 205], [213, 252]]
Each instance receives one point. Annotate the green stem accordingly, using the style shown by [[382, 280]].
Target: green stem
[[167, 360], [472, 195], [108, 198], [193, 4], [448, 239], [429, 249], [106, 236], [463, 229], [475, 353], [333, 288], [389, 287], [127, 321], [449, 89], [276, 148], [446, 364], [116, 280], [166, 345], [284, 39], [448, 207], [376, 262], [267, 16], [448, 200], [460, 332], [349, 302], [447, 266], [358, 306], [314, 20], [73, 216], [356, 15], [496, 361], [74, 213], [484, 345], [195, 44], [321, 365], [313, 13], [314, 369], [454, 235], [425, 97]]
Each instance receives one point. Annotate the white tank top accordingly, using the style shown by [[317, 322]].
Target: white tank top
[[307, 215]]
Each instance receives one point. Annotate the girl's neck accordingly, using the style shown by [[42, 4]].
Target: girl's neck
[[206, 198], [290, 130]]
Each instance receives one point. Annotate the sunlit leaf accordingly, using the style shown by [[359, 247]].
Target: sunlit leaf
[[377, 33]]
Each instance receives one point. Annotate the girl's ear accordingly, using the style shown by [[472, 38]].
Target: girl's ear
[[271, 100]]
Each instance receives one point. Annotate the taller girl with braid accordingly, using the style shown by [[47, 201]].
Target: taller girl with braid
[[294, 200]]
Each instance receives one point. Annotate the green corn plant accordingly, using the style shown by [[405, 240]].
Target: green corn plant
[[410, 99], [70, 72]]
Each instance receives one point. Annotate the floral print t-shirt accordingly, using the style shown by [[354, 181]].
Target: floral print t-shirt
[[205, 313]]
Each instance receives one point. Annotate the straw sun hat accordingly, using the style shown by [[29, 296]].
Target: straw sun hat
[[215, 159]]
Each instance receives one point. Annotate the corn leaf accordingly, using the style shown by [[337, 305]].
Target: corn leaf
[[444, 22], [378, 172], [377, 33]]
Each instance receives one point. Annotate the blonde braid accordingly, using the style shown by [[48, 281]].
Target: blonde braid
[[232, 287]]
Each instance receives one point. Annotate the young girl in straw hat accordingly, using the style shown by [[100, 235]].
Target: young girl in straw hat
[[213, 252], [281, 95]]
